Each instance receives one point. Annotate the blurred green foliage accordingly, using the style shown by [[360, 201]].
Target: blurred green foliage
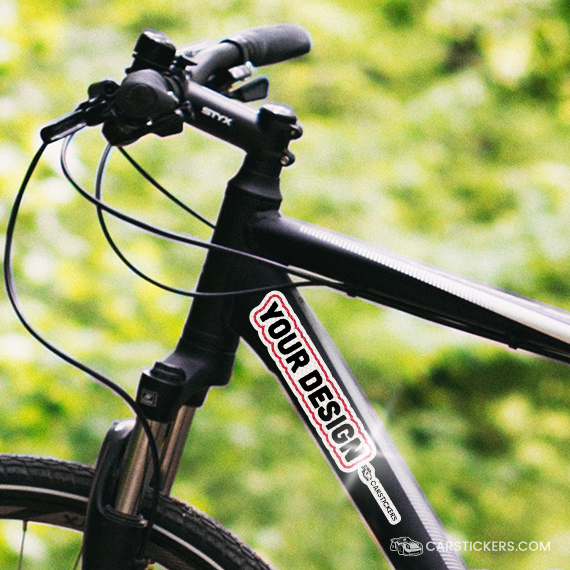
[[436, 128]]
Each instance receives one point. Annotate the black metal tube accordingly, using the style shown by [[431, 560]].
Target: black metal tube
[[417, 288]]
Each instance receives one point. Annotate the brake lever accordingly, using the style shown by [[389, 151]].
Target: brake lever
[[252, 88], [94, 111], [255, 89]]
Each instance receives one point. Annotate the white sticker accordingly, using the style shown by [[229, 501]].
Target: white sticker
[[368, 477], [312, 383], [319, 394]]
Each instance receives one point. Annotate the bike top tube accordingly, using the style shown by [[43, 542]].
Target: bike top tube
[[418, 288]]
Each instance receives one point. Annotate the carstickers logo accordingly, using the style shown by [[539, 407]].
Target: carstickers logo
[[368, 477], [328, 410], [406, 546]]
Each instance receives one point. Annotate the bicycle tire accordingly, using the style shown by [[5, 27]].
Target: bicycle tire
[[54, 492]]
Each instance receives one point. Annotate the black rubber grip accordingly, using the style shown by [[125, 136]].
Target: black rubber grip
[[266, 45]]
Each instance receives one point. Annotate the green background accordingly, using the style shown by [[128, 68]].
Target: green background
[[435, 128]]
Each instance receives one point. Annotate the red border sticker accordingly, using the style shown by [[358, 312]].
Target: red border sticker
[[312, 383]]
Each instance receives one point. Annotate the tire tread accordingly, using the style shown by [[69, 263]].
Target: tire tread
[[182, 519]]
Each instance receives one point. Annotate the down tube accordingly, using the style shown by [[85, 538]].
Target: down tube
[[293, 344]]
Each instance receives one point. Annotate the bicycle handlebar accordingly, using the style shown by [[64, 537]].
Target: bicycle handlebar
[[264, 45], [267, 45], [156, 96]]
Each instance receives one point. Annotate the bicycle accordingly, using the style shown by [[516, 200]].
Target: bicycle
[[246, 291]]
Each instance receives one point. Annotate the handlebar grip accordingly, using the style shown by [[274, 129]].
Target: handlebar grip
[[265, 45]]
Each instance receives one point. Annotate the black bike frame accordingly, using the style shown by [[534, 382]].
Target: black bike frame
[[283, 331], [278, 325], [419, 289]]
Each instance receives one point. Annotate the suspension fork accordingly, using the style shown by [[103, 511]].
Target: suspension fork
[[170, 439], [117, 517], [168, 394], [206, 350], [114, 516], [173, 388]]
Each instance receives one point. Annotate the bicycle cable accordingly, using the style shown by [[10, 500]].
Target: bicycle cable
[[162, 189], [102, 167], [99, 377], [312, 280]]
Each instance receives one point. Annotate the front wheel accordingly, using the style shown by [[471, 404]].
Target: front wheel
[[54, 492]]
